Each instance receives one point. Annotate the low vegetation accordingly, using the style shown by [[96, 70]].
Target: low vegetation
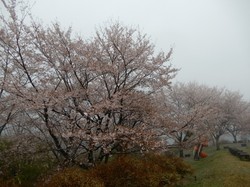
[[127, 171], [123, 171], [220, 169]]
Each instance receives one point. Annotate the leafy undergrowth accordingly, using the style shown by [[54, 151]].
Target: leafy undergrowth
[[126, 171], [220, 169]]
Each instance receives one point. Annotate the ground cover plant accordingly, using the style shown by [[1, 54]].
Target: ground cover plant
[[220, 168]]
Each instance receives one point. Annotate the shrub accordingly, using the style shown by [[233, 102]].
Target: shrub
[[142, 171], [20, 173], [19, 167], [125, 171], [73, 177]]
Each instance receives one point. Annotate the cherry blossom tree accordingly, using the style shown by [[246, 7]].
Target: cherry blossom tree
[[217, 124], [245, 123], [86, 99], [228, 115], [189, 108], [7, 104], [236, 110]]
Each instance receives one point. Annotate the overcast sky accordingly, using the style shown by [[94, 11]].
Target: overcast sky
[[211, 38]]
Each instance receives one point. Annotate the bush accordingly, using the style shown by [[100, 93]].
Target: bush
[[125, 171], [73, 177], [19, 167], [142, 171], [20, 173]]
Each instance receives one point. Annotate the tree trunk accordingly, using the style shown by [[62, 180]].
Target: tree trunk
[[197, 150], [181, 153], [91, 157], [217, 143], [106, 158], [235, 138]]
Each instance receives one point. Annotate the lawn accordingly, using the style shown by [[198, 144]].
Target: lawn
[[220, 169]]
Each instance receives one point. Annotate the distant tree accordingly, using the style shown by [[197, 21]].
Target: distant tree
[[85, 99], [245, 124], [228, 115], [236, 111], [189, 108], [246, 121]]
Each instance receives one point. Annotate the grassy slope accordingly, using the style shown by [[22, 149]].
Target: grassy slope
[[219, 169]]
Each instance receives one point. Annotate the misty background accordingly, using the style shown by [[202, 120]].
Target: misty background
[[211, 38]]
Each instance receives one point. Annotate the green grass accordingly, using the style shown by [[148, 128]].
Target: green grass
[[220, 169]]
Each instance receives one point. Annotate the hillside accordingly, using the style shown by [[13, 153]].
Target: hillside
[[220, 169]]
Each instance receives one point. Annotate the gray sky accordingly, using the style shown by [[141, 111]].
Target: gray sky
[[211, 38]]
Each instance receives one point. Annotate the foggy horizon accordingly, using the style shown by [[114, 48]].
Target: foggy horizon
[[210, 38]]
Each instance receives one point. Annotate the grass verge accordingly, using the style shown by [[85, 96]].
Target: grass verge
[[220, 169]]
